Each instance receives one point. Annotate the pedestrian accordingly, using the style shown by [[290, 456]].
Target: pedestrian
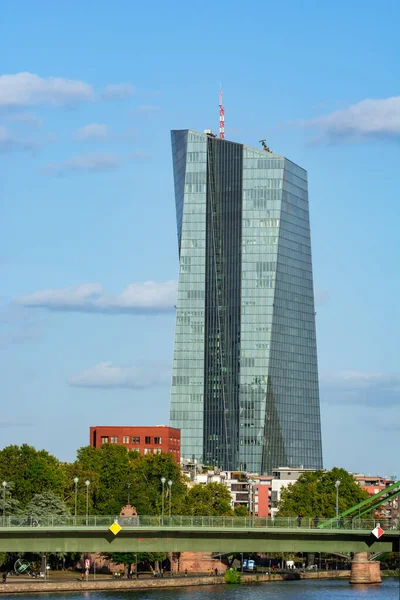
[[186, 573], [299, 519], [216, 571], [341, 523], [82, 576], [4, 577], [316, 521], [351, 522]]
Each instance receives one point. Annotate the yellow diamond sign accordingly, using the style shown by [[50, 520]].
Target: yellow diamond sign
[[115, 528]]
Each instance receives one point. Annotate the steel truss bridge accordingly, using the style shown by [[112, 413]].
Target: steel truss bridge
[[192, 534], [350, 532]]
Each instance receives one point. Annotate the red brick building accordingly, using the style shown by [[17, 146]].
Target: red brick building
[[146, 440]]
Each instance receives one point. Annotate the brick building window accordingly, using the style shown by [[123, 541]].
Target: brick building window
[[147, 450], [104, 439], [114, 439], [125, 439], [157, 440], [147, 439], [157, 451], [135, 439]]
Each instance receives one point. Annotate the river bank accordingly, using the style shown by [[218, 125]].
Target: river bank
[[133, 584]]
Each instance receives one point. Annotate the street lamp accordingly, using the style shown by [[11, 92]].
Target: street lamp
[[76, 479], [170, 496], [87, 483], [163, 480], [136, 566], [241, 554], [4, 484], [337, 484], [129, 493]]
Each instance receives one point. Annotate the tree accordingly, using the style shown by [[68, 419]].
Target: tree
[[314, 493], [31, 471], [7, 502], [146, 490], [210, 499], [46, 504], [240, 511]]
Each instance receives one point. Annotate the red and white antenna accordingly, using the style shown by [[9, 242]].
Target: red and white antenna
[[221, 117]]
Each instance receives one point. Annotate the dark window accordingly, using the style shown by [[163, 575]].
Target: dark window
[[147, 439], [135, 439]]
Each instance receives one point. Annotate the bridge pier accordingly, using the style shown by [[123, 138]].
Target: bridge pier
[[364, 570]]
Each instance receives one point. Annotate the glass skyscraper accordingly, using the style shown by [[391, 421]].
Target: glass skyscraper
[[245, 376]]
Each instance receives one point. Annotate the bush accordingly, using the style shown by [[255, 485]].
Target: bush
[[233, 576]]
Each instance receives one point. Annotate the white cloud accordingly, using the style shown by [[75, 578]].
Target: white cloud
[[24, 89], [84, 163], [117, 91], [93, 131], [147, 297], [106, 375], [368, 118]]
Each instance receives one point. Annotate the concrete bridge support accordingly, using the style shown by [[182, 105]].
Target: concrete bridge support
[[363, 570]]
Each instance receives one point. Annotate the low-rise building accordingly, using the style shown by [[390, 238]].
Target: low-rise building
[[146, 440], [373, 484]]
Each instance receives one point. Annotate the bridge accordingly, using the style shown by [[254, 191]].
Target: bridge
[[194, 534]]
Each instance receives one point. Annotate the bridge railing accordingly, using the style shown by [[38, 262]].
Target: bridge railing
[[186, 521]]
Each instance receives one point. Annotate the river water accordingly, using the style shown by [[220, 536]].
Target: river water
[[288, 590]]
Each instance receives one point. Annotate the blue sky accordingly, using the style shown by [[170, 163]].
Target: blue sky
[[87, 101]]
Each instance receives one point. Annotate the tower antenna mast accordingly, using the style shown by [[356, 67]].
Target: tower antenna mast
[[221, 117]]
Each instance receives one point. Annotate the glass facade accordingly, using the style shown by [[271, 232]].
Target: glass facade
[[245, 376]]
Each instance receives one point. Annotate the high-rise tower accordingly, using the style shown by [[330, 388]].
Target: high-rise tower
[[245, 376]]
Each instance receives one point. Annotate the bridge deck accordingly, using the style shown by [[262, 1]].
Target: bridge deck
[[164, 538]]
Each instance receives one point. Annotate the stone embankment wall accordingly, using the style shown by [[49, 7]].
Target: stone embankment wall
[[128, 584]]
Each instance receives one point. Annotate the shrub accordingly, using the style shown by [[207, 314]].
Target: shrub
[[233, 576]]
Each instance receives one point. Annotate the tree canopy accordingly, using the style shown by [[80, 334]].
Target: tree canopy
[[46, 504], [211, 499], [114, 474], [31, 471], [314, 493]]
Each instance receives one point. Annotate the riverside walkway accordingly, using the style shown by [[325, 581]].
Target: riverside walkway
[[192, 533]]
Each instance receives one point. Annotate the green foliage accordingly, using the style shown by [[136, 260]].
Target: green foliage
[[240, 511], [233, 576], [129, 558], [113, 473], [211, 499], [146, 490], [46, 504], [112, 469], [3, 558], [314, 493], [31, 471], [7, 501]]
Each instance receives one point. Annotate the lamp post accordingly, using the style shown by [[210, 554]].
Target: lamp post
[[87, 483], [136, 566], [170, 496], [129, 492], [241, 554], [337, 484], [163, 480], [76, 479], [4, 484]]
